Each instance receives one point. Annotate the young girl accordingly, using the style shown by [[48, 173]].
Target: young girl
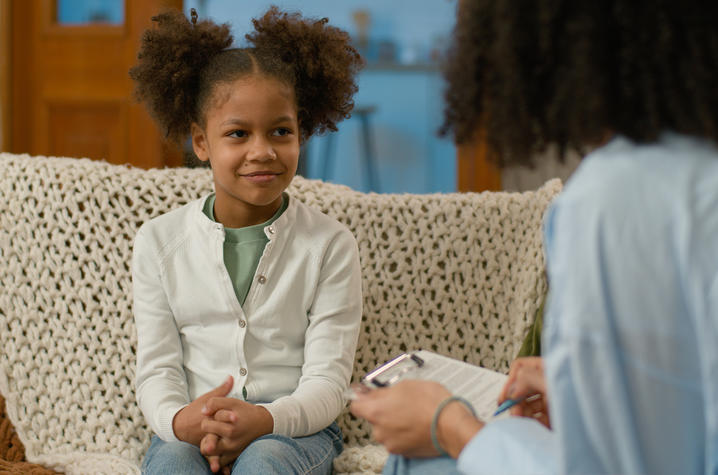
[[247, 302]]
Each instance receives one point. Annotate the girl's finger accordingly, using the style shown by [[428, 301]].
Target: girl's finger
[[225, 415], [213, 463], [213, 427], [226, 460], [208, 444]]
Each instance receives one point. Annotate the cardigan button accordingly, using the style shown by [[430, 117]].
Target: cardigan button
[[261, 279], [270, 229], [243, 372], [242, 324]]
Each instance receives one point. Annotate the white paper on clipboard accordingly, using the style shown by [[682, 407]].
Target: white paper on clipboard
[[480, 386]]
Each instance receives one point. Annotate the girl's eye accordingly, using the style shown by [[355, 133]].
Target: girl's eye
[[282, 131], [238, 134]]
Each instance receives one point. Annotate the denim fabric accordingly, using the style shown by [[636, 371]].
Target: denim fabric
[[398, 465], [268, 454]]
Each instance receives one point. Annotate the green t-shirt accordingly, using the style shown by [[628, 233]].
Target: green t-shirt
[[243, 247]]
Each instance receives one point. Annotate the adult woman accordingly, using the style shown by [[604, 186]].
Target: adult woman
[[630, 341]]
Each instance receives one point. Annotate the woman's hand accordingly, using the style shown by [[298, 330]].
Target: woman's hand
[[231, 425], [401, 418], [526, 380]]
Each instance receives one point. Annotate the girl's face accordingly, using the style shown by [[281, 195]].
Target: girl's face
[[251, 139]]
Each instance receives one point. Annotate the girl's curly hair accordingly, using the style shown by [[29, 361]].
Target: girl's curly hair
[[181, 62], [529, 74]]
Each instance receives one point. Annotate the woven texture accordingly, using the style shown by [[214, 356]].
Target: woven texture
[[459, 274]]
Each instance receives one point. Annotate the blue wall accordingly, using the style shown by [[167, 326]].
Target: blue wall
[[407, 92]]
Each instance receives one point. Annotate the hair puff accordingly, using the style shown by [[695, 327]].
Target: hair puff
[[170, 61], [323, 61]]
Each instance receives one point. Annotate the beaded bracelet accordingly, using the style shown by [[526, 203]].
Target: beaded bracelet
[[435, 420]]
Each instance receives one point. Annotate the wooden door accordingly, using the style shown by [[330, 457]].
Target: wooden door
[[71, 92]]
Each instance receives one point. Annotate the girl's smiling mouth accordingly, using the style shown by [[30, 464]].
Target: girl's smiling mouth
[[260, 176]]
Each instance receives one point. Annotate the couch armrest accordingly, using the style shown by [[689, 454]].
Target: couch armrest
[[12, 452], [23, 468]]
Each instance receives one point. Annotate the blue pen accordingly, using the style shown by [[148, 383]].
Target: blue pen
[[509, 403]]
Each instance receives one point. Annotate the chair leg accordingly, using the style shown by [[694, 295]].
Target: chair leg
[[303, 163], [368, 148], [328, 157]]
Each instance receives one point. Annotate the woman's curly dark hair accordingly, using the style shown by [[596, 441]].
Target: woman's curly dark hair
[[529, 74], [181, 62]]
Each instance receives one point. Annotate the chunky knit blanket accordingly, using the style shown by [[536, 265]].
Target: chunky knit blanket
[[459, 274]]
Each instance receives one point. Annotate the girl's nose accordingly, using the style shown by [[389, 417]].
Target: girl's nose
[[261, 149]]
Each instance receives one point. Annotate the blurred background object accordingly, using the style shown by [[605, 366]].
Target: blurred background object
[[362, 20], [65, 90], [82, 12]]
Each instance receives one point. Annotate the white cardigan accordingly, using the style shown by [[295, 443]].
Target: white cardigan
[[291, 345]]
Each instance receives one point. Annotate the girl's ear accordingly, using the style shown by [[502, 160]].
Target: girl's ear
[[199, 142]]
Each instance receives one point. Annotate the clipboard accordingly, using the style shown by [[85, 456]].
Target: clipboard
[[478, 385], [393, 370]]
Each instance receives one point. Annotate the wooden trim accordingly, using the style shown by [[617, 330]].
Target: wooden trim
[[5, 82], [475, 171], [53, 29], [22, 75]]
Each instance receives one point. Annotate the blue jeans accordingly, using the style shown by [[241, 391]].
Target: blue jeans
[[268, 454], [398, 465]]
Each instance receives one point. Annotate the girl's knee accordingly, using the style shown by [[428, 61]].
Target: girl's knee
[[266, 455], [174, 457], [279, 455]]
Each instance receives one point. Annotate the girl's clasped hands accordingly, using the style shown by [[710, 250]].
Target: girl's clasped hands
[[221, 426]]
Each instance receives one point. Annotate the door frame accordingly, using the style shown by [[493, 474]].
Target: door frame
[[476, 172], [5, 82]]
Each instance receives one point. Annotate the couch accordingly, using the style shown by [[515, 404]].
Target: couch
[[460, 274]]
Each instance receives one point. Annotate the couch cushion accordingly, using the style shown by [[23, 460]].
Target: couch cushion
[[363, 459], [460, 274], [68, 337]]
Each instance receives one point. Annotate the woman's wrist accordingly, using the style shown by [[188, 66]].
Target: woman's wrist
[[456, 426]]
